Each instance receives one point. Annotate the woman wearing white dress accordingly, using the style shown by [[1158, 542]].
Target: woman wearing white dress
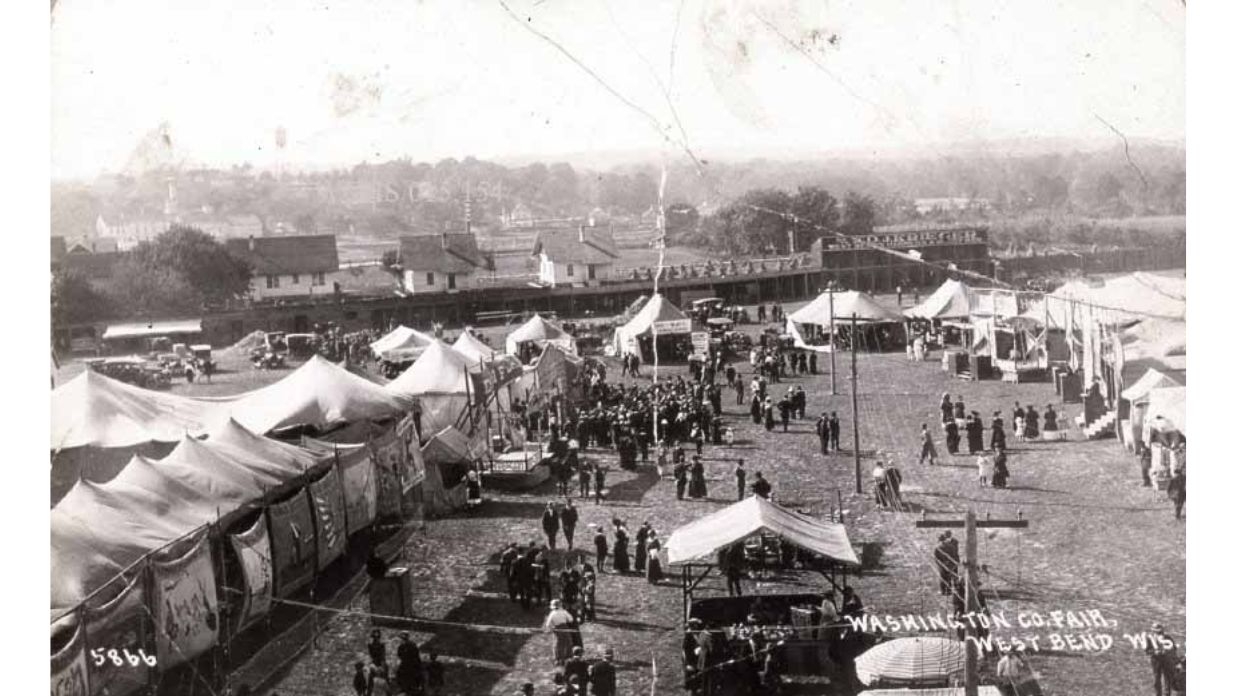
[[985, 470]]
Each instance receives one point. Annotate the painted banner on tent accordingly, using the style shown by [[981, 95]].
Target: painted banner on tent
[[328, 512], [68, 665], [414, 463], [672, 326], [252, 547], [292, 543], [699, 342], [360, 488], [185, 605], [387, 452], [120, 623], [499, 371]]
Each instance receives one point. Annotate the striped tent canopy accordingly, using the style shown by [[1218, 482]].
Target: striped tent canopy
[[909, 661]]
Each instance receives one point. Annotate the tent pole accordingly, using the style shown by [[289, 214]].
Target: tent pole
[[858, 468], [832, 339]]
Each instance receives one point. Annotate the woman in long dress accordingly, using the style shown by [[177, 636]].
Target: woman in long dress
[[622, 558], [1032, 423], [559, 622], [952, 438], [959, 409], [1000, 478], [641, 548], [997, 431], [946, 409], [698, 487], [1049, 420], [654, 558]]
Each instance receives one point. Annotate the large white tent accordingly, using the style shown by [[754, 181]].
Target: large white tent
[[1168, 403], [950, 301], [319, 393], [844, 306], [657, 312], [1130, 297], [539, 332], [699, 541], [401, 338], [97, 411], [441, 382]]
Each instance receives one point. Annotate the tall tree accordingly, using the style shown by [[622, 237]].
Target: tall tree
[[858, 214], [74, 300]]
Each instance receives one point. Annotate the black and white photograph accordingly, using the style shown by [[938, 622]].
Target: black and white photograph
[[570, 347]]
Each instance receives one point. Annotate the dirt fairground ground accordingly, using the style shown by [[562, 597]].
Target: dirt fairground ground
[[1096, 540]]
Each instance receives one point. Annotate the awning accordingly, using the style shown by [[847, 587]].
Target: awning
[[703, 538], [155, 328], [985, 690]]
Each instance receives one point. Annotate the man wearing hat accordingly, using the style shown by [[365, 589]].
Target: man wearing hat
[[1162, 651], [602, 677], [577, 668], [409, 675], [946, 562]]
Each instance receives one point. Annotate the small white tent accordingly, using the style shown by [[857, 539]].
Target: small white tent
[[539, 332], [1168, 403], [441, 382], [951, 300], [845, 305], [401, 338], [658, 313]]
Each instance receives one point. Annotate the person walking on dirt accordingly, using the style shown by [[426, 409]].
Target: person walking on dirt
[[550, 524]]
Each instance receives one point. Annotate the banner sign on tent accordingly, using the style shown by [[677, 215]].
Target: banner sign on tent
[[185, 605], [328, 511], [68, 666], [387, 452], [499, 371], [699, 342], [292, 543], [120, 623], [360, 488], [253, 549], [673, 326], [414, 463]]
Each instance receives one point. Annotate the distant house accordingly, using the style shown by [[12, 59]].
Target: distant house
[[446, 262], [91, 245], [289, 266], [58, 249], [582, 256]]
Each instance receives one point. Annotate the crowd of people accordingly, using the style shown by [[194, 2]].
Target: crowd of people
[[410, 674]]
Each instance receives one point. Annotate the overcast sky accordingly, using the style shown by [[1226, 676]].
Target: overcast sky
[[380, 79]]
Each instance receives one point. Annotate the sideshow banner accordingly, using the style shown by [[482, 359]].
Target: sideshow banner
[[414, 463], [328, 510], [360, 487], [120, 623], [68, 666], [387, 453], [672, 326], [292, 543], [253, 549], [185, 605]]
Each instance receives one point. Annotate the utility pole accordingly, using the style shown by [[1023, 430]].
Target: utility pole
[[832, 342], [858, 467], [971, 525]]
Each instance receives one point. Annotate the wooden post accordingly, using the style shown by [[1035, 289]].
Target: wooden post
[[971, 565], [832, 340], [972, 605], [858, 467]]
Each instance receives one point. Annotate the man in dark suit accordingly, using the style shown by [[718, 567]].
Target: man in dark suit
[[602, 677], [834, 431], [822, 431]]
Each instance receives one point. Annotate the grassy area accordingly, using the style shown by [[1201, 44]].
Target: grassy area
[[1097, 540]]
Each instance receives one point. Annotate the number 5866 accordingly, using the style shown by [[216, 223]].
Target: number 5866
[[121, 657]]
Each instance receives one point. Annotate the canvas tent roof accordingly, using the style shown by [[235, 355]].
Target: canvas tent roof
[[701, 539], [450, 445], [1152, 379], [657, 310], [144, 329], [98, 411], [1168, 402], [950, 301], [1132, 296], [845, 304], [539, 331], [472, 348], [401, 338], [318, 393], [1155, 338], [440, 370]]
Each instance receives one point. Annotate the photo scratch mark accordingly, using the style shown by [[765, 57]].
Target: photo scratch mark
[[1127, 154]]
